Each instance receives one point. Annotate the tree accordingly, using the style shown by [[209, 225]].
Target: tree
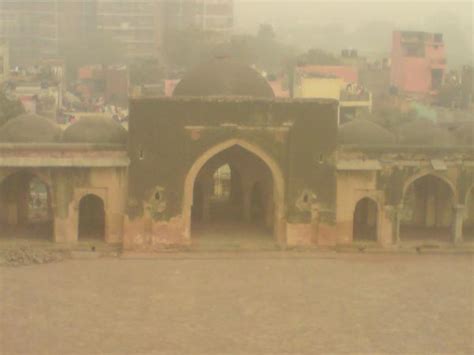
[[266, 33], [190, 47], [98, 49], [146, 71], [317, 57], [9, 108], [186, 48], [449, 95]]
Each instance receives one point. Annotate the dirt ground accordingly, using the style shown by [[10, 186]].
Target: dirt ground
[[241, 303]]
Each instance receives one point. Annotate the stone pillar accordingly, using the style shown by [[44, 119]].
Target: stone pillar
[[418, 206], [458, 224], [388, 228], [397, 221], [23, 200], [315, 222], [431, 217], [269, 209], [247, 200]]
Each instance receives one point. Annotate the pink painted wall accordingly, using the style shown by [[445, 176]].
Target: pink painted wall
[[278, 90], [413, 74]]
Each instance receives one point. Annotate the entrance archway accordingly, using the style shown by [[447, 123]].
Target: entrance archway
[[25, 207], [427, 210], [91, 218], [365, 220], [248, 163]]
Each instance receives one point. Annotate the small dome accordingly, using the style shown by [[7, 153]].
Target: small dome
[[364, 132], [424, 133], [30, 128], [95, 130], [223, 77]]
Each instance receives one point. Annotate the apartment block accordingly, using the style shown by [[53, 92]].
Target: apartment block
[[418, 62], [135, 24]]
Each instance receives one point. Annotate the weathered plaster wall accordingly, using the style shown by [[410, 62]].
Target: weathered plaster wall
[[168, 135], [353, 186], [400, 168], [71, 185], [67, 185]]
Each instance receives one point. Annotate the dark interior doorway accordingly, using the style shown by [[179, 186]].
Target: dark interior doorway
[[232, 201], [365, 220], [91, 218]]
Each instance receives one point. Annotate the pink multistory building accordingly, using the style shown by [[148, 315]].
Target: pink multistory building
[[418, 62]]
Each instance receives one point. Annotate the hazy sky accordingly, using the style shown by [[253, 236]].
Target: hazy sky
[[302, 20], [352, 11]]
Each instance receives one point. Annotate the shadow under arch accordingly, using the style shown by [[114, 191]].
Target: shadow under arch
[[26, 204], [365, 225], [423, 174], [277, 175], [91, 217]]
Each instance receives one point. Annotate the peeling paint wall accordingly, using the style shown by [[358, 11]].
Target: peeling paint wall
[[168, 135]]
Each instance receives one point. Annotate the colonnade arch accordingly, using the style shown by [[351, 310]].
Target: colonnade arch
[[26, 208], [427, 209]]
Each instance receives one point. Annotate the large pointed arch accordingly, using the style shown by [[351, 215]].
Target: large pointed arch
[[423, 174], [429, 215], [277, 175]]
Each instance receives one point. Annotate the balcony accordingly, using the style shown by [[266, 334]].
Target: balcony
[[347, 95]]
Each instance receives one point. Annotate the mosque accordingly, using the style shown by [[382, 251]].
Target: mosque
[[222, 159]]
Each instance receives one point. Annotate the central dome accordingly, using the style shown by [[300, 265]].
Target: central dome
[[223, 77]]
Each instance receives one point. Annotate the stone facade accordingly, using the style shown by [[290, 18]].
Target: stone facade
[[292, 171]]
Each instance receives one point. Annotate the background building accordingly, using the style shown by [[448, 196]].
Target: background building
[[418, 62], [17, 27], [135, 24], [36, 29], [205, 15], [338, 82], [39, 29]]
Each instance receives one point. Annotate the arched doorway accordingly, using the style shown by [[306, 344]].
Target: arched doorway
[[468, 222], [231, 170], [427, 210], [25, 207], [365, 221], [91, 218]]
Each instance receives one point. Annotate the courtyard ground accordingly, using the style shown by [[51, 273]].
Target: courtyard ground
[[241, 303]]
